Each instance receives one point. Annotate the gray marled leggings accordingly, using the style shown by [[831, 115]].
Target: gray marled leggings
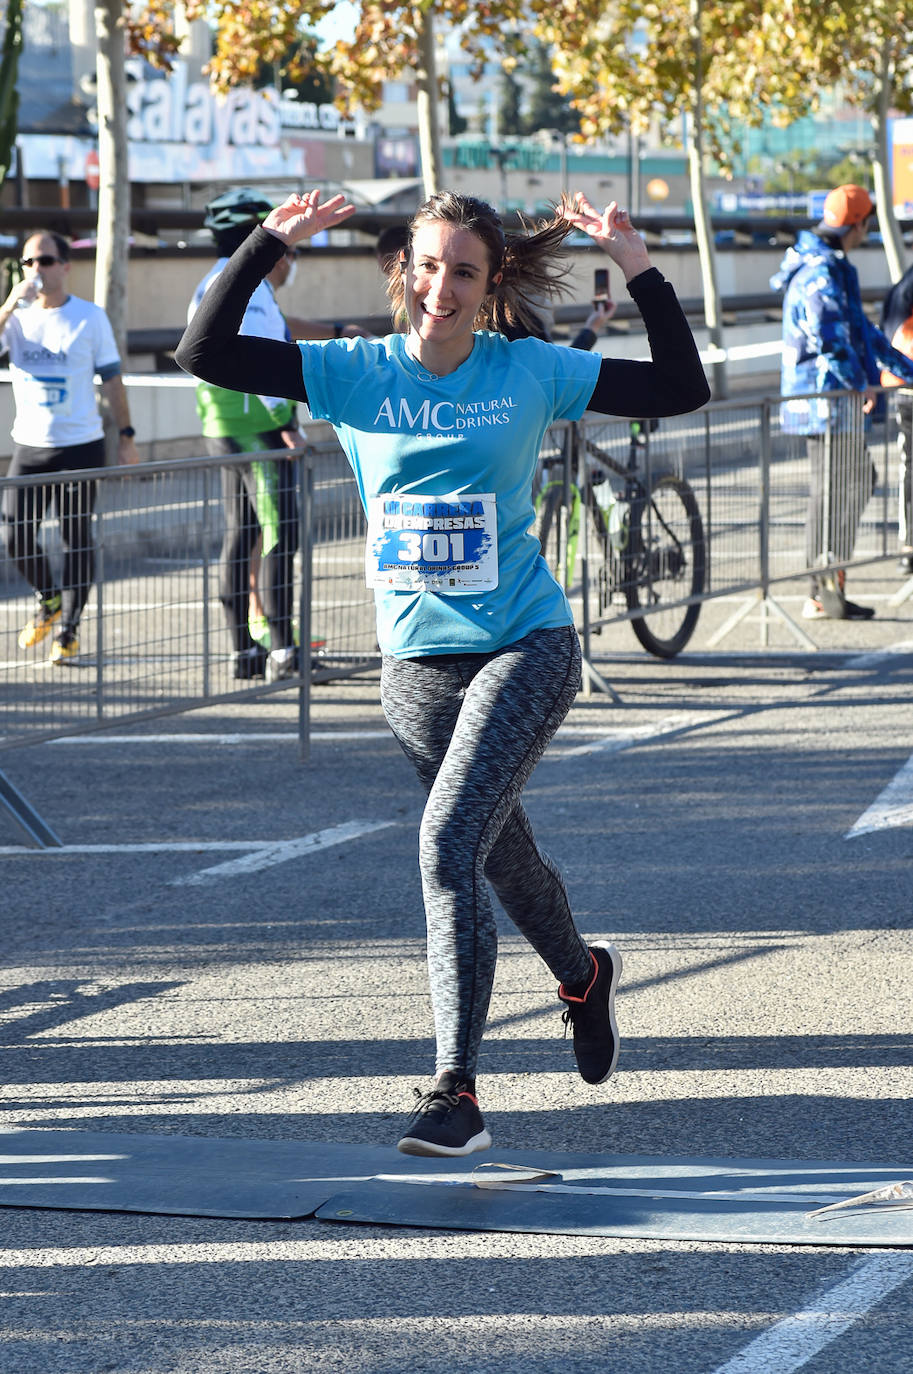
[[474, 726]]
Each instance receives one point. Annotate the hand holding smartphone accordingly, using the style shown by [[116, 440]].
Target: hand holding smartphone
[[600, 287]]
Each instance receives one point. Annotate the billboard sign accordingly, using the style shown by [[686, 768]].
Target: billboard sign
[[901, 166]]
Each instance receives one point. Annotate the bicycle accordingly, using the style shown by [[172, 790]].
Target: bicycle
[[647, 540]]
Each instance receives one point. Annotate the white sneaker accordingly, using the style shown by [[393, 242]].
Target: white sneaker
[[281, 664], [813, 610]]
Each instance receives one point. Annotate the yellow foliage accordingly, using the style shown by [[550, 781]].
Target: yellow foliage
[[623, 65]]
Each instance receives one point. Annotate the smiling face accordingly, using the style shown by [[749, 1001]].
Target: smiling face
[[448, 276]]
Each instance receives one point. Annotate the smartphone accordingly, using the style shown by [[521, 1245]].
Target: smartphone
[[600, 286]]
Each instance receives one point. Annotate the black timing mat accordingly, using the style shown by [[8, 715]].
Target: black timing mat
[[660, 1197], [201, 1176], [737, 1201]]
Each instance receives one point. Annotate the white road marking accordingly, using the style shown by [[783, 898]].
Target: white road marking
[[282, 852], [877, 656], [7, 1160], [612, 741], [892, 807], [252, 737], [599, 741], [156, 847], [255, 854], [33, 1182], [799, 1338]]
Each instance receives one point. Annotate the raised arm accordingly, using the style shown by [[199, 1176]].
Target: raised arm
[[673, 382], [212, 349]]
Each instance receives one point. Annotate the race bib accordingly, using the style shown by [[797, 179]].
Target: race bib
[[446, 544], [50, 393]]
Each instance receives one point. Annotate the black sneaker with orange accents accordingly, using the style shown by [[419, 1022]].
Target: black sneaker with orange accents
[[591, 1013], [446, 1121]]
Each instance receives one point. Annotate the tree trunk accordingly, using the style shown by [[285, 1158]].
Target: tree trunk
[[891, 236], [9, 96], [113, 230], [707, 253], [703, 230], [429, 134]]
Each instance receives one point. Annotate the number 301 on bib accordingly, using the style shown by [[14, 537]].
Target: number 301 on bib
[[446, 544]]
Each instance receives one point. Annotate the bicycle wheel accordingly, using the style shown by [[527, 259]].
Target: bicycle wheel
[[664, 563], [557, 536]]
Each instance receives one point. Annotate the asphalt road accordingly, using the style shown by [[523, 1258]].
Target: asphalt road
[[706, 824]]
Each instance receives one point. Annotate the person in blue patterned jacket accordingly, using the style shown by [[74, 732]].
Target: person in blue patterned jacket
[[830, 345]]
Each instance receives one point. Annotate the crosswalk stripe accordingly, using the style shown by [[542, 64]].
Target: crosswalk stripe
[[892, 807], [281, 853]]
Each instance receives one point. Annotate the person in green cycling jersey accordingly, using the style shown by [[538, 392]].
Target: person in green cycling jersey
[[260, 509]]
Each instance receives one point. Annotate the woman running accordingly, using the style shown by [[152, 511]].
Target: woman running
[[442, 425]]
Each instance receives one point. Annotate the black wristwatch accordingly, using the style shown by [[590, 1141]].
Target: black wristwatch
[[128, 432]]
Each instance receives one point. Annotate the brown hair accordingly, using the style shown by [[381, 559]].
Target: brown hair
[[530, 263]]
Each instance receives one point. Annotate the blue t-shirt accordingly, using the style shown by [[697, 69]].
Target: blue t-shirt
[[461, 574]]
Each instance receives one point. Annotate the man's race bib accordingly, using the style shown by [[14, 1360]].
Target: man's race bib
[[446, 544], [50, 393]]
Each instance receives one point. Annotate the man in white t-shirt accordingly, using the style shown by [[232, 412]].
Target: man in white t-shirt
[[57, 344]]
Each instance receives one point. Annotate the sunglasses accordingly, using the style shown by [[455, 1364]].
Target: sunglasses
[[43, 260]]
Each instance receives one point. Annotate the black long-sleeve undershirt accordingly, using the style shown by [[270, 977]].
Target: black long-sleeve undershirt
[[673, 383]]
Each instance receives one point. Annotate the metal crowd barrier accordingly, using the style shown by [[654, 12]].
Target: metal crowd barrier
[[753, 481], [153, 639]]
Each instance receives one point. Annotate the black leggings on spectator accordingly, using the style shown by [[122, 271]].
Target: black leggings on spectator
[[24, 508], [258, 499]]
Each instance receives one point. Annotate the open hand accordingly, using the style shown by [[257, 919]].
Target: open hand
[[613, 231], [302, 216]]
